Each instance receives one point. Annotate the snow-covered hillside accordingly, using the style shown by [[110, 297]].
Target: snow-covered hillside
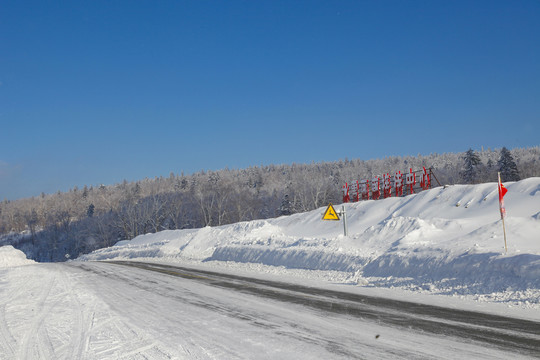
[[441, 247], [447, 240]]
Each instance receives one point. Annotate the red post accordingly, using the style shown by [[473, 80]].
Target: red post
[[398, 182], [410, 179], [357, 195], [387, 186], [426, 180], [365, 190], [346, 197], [375, 188]]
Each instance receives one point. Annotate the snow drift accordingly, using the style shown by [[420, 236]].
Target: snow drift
[[447, 240], [10, 257]]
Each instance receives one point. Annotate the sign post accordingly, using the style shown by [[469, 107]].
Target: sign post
[[345, 229], [332, 214]]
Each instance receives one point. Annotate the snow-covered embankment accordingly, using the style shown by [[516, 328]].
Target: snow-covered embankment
[[447, 240]]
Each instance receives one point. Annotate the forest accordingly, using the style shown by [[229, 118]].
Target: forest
[[64, 225]]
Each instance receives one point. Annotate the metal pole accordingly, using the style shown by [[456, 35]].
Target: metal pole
[[432, 173], [345, 230], [504, 230]]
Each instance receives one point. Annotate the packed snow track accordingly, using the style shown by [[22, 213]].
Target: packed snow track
[[135, 310]]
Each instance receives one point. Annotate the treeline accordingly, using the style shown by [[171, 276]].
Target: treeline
[[54, 227]]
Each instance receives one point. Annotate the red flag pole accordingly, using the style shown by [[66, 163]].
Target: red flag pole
[[502, 210]]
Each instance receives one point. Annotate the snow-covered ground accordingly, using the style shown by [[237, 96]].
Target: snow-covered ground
[[444, 247], [88, 310], [445, 241]]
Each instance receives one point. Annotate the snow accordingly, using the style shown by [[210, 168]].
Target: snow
[[85, 310], [446, 241], [11, 257], [443, 247]]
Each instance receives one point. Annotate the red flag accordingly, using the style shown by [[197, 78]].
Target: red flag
[[502, 192]]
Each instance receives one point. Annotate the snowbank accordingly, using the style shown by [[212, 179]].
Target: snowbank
[[10, 257], [448, 240]]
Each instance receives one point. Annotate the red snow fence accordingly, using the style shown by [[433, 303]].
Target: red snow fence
[[398, 184]]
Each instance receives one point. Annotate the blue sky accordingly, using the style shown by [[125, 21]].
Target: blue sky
[[101, 91]]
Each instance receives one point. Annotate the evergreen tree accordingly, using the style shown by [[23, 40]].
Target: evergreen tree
[[507, 166], [471, 164], [90, 210], [286, 207]]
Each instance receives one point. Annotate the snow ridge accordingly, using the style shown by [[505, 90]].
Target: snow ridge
[[447, 240]]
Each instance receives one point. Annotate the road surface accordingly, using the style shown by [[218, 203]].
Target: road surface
[[133, 310]]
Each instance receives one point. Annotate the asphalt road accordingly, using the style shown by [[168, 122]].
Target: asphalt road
[[509, 334]]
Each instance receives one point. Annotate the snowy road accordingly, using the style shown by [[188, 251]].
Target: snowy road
[[93, 310]]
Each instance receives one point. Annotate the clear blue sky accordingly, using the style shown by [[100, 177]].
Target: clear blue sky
[[101, 91]]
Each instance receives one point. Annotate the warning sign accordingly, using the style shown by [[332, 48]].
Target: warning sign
[[330, 213]]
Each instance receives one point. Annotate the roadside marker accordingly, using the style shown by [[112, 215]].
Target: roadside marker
[[330, 213]]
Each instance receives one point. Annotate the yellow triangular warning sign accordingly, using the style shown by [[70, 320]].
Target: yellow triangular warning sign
[[330, 213]]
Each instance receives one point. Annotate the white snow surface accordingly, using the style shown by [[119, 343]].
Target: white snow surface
[[447, 241], [11, 257], [443, 246]]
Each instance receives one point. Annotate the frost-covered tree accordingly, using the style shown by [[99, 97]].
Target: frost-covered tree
[[507, 166], [286, 207], [64, 225], [471, 166]]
